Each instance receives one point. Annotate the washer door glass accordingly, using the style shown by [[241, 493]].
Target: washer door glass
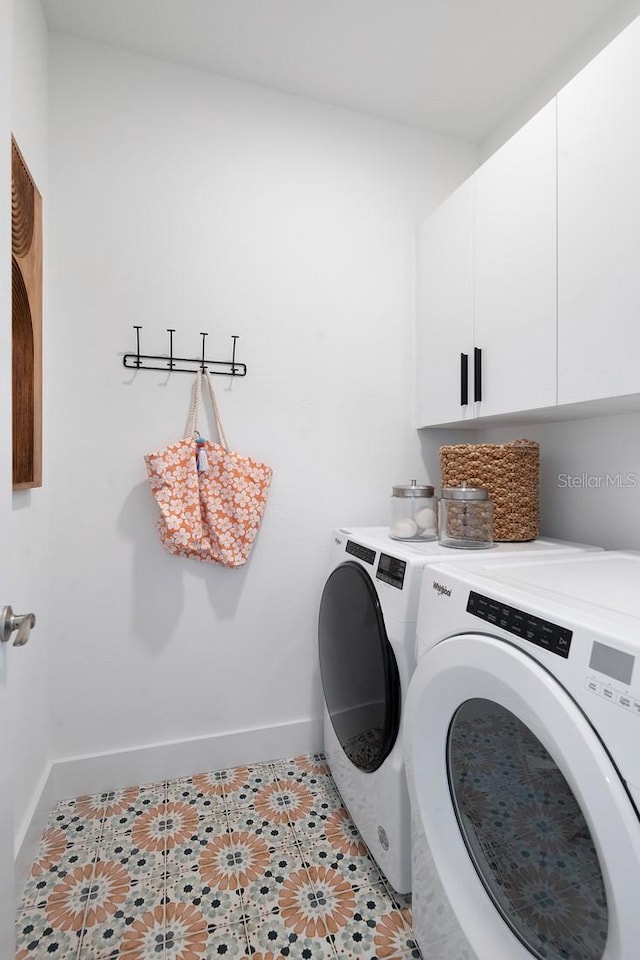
[[526, 834], [358, 667]]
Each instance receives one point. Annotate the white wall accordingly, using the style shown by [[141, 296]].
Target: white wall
[[29, 539], [578, 57], [185, 200], [589, 477]]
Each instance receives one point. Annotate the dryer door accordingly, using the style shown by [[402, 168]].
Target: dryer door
[[532, 834], [358, 667]]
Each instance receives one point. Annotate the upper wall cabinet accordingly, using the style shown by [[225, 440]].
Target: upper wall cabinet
[[445, 310], [599, 225], [515, 270], [486, 337]]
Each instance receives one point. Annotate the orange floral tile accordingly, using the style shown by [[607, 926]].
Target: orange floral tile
[[241, 790], [274, 832], [178, 930], [254, 862], [150, 830], [312, 771], [283, 802], [215, 783], [358, 870], [77, 829], [270, 937], [230, 943], [393, 937], [261, 894], [313, 825], [317, 902], [145, 937], [221, 908], [123, 808], [111, 803], [343, 835], [52, 846], [207, 799], [86, 896], [234, 860], [265, 956], [48, 871], [374, 925], [37, 939], [181, 821], [185, 856], [139, 863], [314, 763], [106, 926]]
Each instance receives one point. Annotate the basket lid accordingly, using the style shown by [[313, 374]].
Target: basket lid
[[463, 492], [413, 489]]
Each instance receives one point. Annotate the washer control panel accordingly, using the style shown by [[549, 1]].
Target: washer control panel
[[528, 627], [610, 665], [621, 698], [362, 553]]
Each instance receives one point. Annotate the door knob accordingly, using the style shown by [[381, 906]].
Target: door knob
[[22, 622]]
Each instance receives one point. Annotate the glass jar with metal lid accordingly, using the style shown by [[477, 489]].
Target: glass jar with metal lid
[[414, 512], [466, 517]]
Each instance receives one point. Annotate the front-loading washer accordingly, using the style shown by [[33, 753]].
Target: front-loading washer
[[366, 639], [522, 741]]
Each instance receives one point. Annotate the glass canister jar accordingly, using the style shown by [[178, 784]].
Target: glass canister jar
[[466, 517], [414, 512]]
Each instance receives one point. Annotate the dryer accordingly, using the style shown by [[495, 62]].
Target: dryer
[[522, 740], [366, 640]]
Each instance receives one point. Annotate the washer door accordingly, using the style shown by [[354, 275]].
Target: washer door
[[533, 835], [358, 667]]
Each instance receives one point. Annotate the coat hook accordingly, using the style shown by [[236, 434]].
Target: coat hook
[[202, 366], [137, 330], [143, 361]]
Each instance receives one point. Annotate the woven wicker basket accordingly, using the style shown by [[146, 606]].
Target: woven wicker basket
[[510, 472]]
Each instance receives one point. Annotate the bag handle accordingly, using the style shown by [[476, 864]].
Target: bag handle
[[194, 416], [192, 426], [216, 409]]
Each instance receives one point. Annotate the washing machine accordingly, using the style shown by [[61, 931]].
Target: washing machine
[[366, 640], [522, 740]]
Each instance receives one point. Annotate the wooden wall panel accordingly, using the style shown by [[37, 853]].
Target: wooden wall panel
[[26, 248]]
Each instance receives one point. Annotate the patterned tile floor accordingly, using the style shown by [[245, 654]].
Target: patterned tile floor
[[257, 862]]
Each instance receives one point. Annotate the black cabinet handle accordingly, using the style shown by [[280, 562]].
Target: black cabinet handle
[[477, 374], [464, 379]]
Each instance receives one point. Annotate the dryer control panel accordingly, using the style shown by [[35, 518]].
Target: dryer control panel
[[541, 632]]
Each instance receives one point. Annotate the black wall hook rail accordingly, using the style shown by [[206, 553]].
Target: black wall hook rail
[[139, 361]]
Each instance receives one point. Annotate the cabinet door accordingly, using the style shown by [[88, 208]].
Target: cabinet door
[[599, 225], [445, 309], [515, 305]]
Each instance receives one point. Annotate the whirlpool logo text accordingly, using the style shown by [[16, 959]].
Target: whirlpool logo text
[[442, 590]]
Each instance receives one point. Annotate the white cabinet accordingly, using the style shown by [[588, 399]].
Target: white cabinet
[[515, 270], [599, 226], [487, 286], [445, 309]]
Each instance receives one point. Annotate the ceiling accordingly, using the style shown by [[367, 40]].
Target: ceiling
[[457, 67]]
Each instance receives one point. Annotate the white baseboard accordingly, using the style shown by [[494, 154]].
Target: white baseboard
[[112, 770], [30, 829]]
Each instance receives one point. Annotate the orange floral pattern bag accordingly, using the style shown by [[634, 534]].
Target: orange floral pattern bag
[[211, 499]]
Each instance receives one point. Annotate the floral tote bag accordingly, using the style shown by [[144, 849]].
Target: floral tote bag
[[211, 498]]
